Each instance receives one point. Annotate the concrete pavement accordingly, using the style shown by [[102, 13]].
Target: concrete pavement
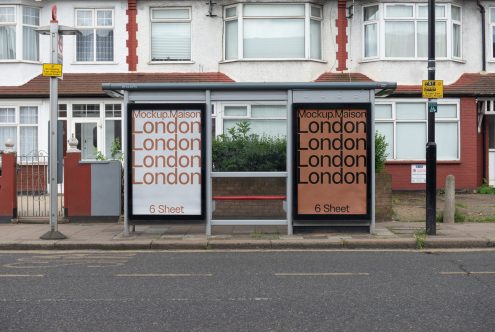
[[109, 236]]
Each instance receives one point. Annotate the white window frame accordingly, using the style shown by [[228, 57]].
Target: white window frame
[[18, 125], [459, 23], [415, 18], [18, 23], [240, 30], [375, 22], [394, 121], [220, 115], [95, 27], [100, 120], [173, 20], [492, 40]]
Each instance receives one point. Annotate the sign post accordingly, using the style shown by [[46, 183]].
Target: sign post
[[54, 71], [431, 146]]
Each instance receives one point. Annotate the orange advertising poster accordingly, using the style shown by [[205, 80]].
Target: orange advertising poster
[[332, 161]]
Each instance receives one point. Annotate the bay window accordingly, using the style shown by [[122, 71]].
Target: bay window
[[14, 29], [95, 43], [272, 31], [171, 34], [400, 31], [20, 124], [404, 125]]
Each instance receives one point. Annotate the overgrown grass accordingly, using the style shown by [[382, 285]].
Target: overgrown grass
[[485, 189], [420, 237]]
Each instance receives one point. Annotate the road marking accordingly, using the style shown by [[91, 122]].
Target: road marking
[[21, 275], [467, 273], [69, 259], [331, 274], [164, 275]]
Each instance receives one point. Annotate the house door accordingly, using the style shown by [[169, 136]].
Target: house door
[[491, 149], [87, 134]]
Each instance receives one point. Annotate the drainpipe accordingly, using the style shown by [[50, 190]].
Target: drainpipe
[[483, 42], [131, 28], [341, 37]]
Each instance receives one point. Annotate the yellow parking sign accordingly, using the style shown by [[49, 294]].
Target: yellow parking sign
[[433, 89], [52, 69]]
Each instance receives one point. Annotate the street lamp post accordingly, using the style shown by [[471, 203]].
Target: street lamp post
[[54, 30], [431, 146]]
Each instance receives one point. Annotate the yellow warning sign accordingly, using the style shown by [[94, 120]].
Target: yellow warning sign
[[433, 89], [52, 69]]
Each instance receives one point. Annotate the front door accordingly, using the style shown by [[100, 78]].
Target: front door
[[87, 134]]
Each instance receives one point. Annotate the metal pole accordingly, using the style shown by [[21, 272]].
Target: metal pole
[[126, 163], [373, 174], [209, 162], [431, 146], [53, 234], [288, 202]]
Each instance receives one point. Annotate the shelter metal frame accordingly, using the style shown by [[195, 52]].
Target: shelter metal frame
[[290, 93]]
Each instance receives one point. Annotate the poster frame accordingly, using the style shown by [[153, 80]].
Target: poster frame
[[332, 219], [140, 218]]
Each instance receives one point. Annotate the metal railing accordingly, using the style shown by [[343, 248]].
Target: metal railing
[[33, 197]]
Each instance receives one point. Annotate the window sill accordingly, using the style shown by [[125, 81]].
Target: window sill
[[21, 61], [272, 60], [410, 162], [170, 62], [410, 60], [95, 63]]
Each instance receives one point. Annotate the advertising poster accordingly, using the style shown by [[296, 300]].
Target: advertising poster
[[332, 168], [166, 164]]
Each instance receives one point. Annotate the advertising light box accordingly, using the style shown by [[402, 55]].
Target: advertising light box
[[332, 171], [166, 161]]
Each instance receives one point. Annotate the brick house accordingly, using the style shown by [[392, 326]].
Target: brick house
[[257, 41]]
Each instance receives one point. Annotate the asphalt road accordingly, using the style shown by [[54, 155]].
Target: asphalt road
[[247, 291]]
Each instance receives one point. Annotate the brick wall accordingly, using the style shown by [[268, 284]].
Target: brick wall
[[383, 197], [341, 38], [246, 187], [468, 171]]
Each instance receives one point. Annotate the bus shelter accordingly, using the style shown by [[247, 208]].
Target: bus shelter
[[168, 166]]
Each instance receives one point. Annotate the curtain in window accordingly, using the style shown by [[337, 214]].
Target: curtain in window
[[370, 40], [85, 45], [30, 43], [446, 136], [171, 41], [104, 45], [7, 115], [411, 141], [28, 141], [231, 40], [399, 39], [6, 133], [440, 40], [456, 40], [274, 38], [315, 51], [7, 42], [387, 130], [29, 115]]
